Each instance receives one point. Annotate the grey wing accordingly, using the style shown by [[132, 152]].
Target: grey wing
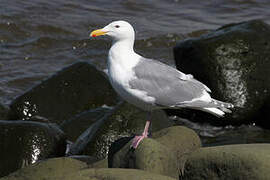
[[167, 85]]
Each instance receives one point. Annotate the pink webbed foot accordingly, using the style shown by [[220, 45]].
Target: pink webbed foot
[[137, 139]]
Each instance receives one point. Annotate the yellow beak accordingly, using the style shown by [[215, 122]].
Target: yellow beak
[[98, 32]]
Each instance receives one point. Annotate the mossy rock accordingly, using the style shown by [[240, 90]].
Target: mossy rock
[[234, 162], [70, 169], [48, 169], [164, 154]]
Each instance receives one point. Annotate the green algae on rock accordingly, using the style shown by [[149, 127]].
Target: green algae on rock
[[241, 161], [165, 154]]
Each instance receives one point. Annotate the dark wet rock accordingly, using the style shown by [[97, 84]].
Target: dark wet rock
[[243, 134], [76, 125], [246, 161], [24, 143], [73, 90], [54, 168], [88, 136], [164, 154], [4, 110], [125, 121], [234, 63], [116, 147], [37, 118]]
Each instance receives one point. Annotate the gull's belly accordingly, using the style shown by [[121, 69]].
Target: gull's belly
[[119, 79]]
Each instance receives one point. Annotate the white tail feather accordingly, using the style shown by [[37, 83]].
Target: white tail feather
[[215, 111]]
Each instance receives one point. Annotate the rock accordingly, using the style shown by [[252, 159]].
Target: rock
[[3, 112], [82, 121], [165, 154], [123, 152], [244, 134], [48, 169], [99, 164], [89, 160], [244, 161], [24, 143], [75, 89], [125, 121], [116, 174], [150, 156], [70, 170], [233, 61], [88, 136], [180, 139]]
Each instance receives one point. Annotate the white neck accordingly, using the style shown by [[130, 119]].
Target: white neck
[[122, 53]]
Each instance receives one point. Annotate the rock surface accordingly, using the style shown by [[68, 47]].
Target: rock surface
[[117, 173], [125, 121], [24, 143], [89, 160], [99, 164], [180, 139], [3, 112], [234, 162], [48, 169], [234, 62], [165, 154], [82, 121], [70, 169], [75, 89], [150, 156]]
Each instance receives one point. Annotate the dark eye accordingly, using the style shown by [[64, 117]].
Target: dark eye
[[117, 26]]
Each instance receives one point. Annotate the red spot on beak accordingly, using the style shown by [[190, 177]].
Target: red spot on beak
[[94, 35]]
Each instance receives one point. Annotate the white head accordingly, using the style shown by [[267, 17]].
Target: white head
[[117, 30]]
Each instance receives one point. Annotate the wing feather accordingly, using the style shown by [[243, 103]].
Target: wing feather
[[166, 84]]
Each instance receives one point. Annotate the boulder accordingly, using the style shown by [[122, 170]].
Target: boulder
[[24, 143], [4, 110], [75, 89], [82, 121], [242, 161], [116, 173], [99, 164], [89, 135], [89, 160], [150, 156], [234, 62], [244, 134], [180, 139], [49, 169], [125, 121], [164, 154], [70, 169]]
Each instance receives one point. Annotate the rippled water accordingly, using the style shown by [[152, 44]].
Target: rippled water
[[39, 37]]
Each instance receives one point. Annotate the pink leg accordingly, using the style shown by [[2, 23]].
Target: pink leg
[[137, 139]]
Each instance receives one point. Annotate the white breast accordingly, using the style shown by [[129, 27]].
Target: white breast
[[120, 73]]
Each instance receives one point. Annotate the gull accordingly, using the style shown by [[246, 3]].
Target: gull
[[149, 84]]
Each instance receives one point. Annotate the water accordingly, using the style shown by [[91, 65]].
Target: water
[[40, 37]]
